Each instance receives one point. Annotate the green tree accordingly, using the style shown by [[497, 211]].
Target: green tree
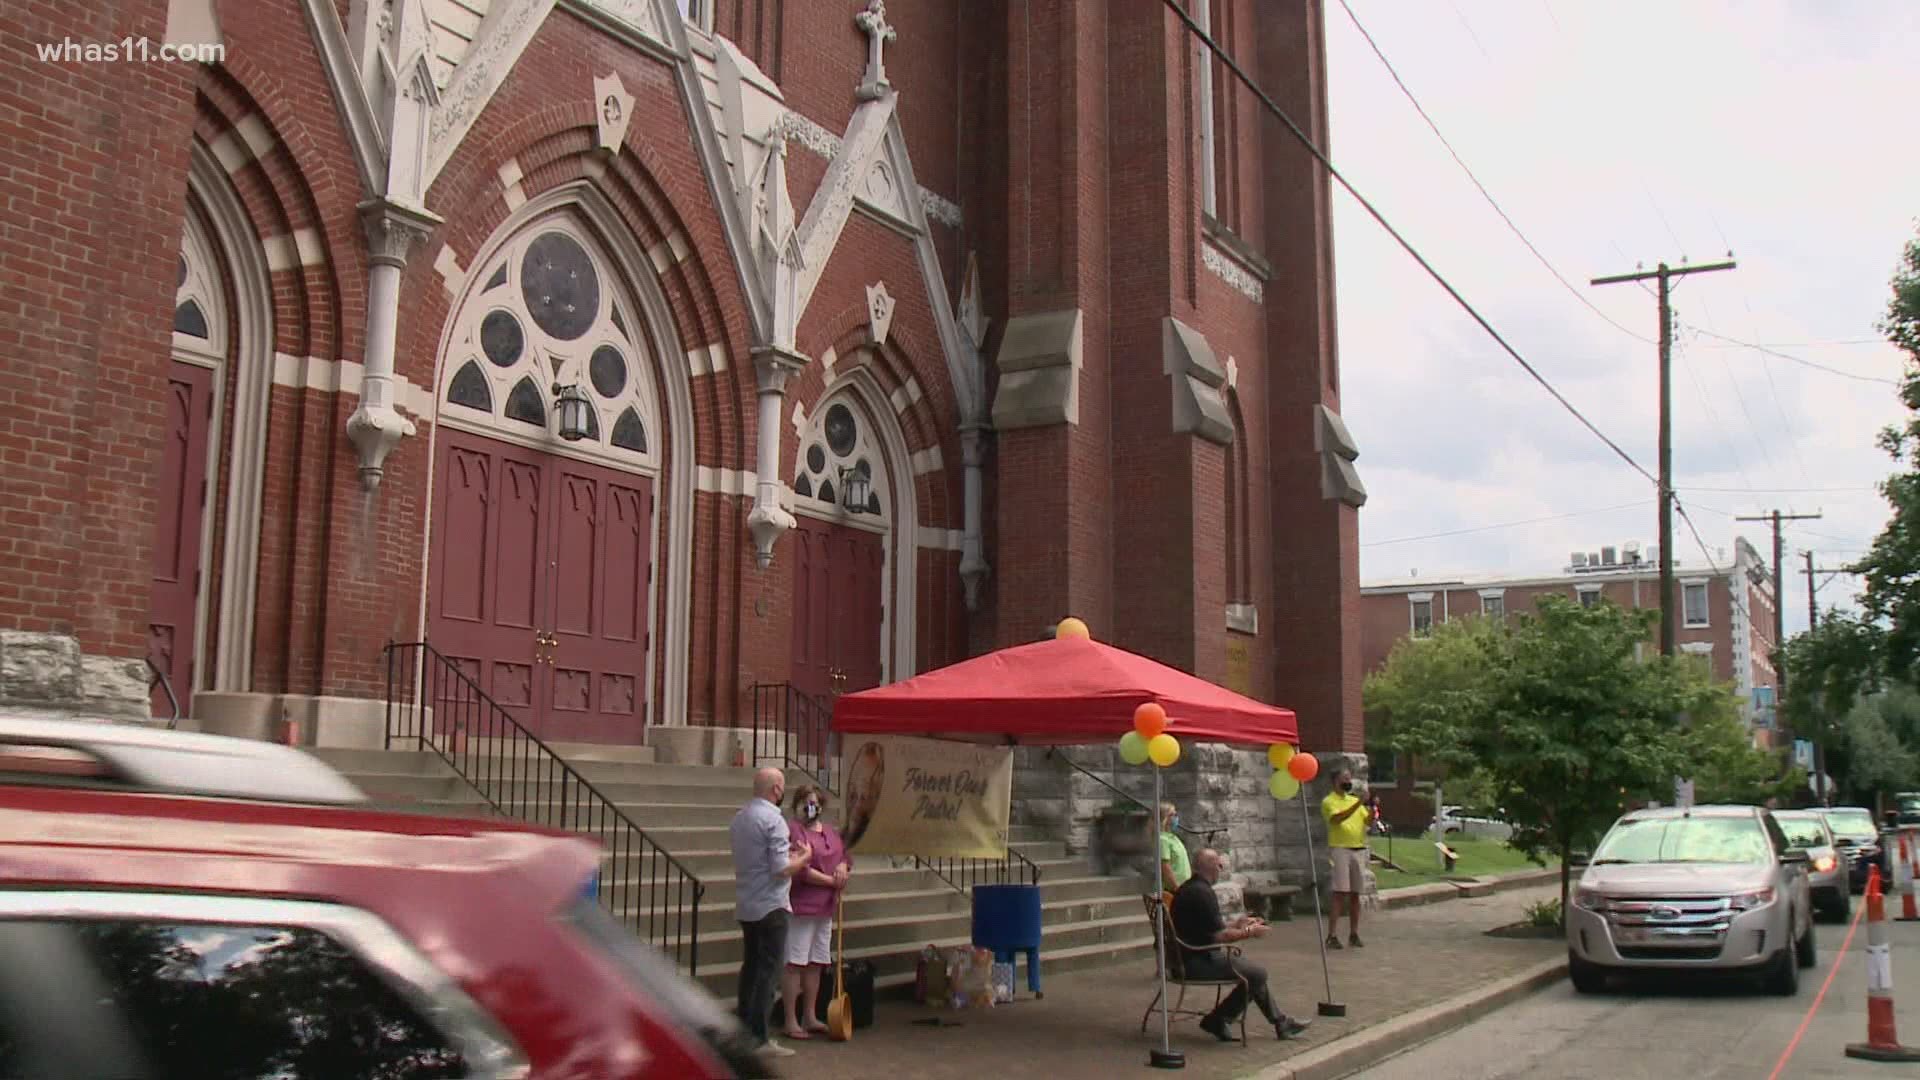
[[1580, 727], [1828, 668], [1431, 692], [1892, 568]]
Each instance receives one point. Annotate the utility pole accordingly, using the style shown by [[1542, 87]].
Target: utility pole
[[1665, 275], [1821, 787], [1779, 598]]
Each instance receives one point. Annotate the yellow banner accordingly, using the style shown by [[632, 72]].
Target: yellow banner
[[907, 796]]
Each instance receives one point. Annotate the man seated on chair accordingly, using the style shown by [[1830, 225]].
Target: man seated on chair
[[1197, 923]]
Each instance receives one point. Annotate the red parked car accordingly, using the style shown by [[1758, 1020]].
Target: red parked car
[[146, 934]]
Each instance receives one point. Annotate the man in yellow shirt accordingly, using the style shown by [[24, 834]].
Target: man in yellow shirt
[[1347, 843]]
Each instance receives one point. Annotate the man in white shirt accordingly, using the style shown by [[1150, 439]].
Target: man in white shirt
[[764, 862]]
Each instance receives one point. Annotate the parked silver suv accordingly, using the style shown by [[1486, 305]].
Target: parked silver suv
[[1710, 887]]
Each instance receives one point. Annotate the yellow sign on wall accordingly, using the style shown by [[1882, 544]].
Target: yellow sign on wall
[[1239, 664], [907, 796]]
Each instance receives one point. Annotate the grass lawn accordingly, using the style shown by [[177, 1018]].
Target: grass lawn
[[1419, 860]]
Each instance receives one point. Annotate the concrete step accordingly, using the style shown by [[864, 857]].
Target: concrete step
[[399, 762], [884, 880], [892, 933], [1063, 947], [447, 792], [712, 862], [920, 896]]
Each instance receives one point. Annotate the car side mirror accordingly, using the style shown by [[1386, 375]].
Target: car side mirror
[[1793, 855]]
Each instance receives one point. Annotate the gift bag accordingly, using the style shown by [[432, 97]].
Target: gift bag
[[1002, 980]]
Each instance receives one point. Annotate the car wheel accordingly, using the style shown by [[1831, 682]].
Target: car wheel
[[1588, 978], [1783, 973], [1806, 950]]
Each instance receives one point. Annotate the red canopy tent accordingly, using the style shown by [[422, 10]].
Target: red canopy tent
[[1059, 692]]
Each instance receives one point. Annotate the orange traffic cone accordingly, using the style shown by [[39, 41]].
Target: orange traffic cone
[[1882, 1044], [1907, 855]]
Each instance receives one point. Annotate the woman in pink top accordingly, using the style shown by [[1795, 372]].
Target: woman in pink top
[[816, 890]]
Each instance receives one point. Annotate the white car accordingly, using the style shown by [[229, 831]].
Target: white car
[[1453, 821]]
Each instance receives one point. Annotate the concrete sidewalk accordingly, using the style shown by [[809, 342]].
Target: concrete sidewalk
[[1407, 984]]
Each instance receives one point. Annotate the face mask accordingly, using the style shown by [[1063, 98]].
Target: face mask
[[1346, 785], [812, 811], [1173, 822]]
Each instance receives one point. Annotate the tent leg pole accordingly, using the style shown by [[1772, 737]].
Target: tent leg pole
[[1328, 1007], [1166, 1057]]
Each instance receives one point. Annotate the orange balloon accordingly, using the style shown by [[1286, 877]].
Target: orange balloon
[[1303, 767], [1149, 720], [1071, 627]]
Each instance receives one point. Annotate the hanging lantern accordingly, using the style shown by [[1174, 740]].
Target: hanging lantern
[[855, 489], [572, 407]]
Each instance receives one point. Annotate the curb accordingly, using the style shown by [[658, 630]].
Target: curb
[[1434, 892], [1369, 1046]]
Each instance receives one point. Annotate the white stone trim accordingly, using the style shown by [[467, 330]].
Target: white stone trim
[[452, 275], [935, 538], [253, 131], [939, 208], [364, 137], [1420, 597], [799, 419], [1229, 270], [824, 143], [669, 251], [1698, 648], [229, 152], [1243, 618], [509, 27], [827, 361], [907, 395], [228, 664], [344, 377], [707, 359], [302, 247], [725, 481], [510, 177], [1493, 594], [927, 461]]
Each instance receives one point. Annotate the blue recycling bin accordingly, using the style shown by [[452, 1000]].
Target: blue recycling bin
[[1006, 920]]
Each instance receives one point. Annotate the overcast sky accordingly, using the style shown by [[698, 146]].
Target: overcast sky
[[1616, 134]]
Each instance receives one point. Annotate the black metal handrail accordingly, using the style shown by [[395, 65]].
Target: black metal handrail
[[796, 727], [1205, 836], [964, 873], [160, 679], [431, 699]]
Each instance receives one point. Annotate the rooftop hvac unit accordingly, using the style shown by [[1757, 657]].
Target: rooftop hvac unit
[[1593, 558], [1579, 559], [1607, 556]]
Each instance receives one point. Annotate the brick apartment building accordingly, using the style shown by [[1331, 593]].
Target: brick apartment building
[[636, 352], [1725, 618]]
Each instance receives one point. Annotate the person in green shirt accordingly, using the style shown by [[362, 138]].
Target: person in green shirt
[[1347, 843], [1175, 868]]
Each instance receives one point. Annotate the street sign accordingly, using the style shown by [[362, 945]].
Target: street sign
[[1803, 753], [1683, 793]]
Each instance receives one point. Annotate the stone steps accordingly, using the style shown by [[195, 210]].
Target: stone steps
[[893, 908]]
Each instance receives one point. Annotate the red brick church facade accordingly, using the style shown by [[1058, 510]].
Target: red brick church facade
[[635, 352]]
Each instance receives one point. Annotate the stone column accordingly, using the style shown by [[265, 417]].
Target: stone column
[[973, 560], [376, 426], [773, 365]]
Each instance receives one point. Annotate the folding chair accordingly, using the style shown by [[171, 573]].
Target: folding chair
[[1167, 943]]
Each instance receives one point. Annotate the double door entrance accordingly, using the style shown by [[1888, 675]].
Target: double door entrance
[[839, 607], [540, 575]]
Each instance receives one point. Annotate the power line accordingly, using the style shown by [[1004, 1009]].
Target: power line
[[1796, 344], [1771, 490], [1506, 524], [1803, 362], [1405, 245], [1484, 193]]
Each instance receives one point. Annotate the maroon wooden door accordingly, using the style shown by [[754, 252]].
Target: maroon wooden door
[[600, 570], [486, 586], [813, 668], [838, 593], [182, 491], [539, 585]]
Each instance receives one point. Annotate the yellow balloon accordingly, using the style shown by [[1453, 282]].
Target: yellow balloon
[[1279, 754], [1283, 785], [1164, 749], [1133, 748], [1071, 627]]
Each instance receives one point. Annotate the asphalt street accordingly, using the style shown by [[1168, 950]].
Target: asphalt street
[[1666, 1028]]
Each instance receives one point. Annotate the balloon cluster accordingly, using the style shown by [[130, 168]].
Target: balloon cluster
[[1290, 769], [1149, 741]]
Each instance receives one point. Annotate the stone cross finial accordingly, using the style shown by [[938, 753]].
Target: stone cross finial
[[873, 21]]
